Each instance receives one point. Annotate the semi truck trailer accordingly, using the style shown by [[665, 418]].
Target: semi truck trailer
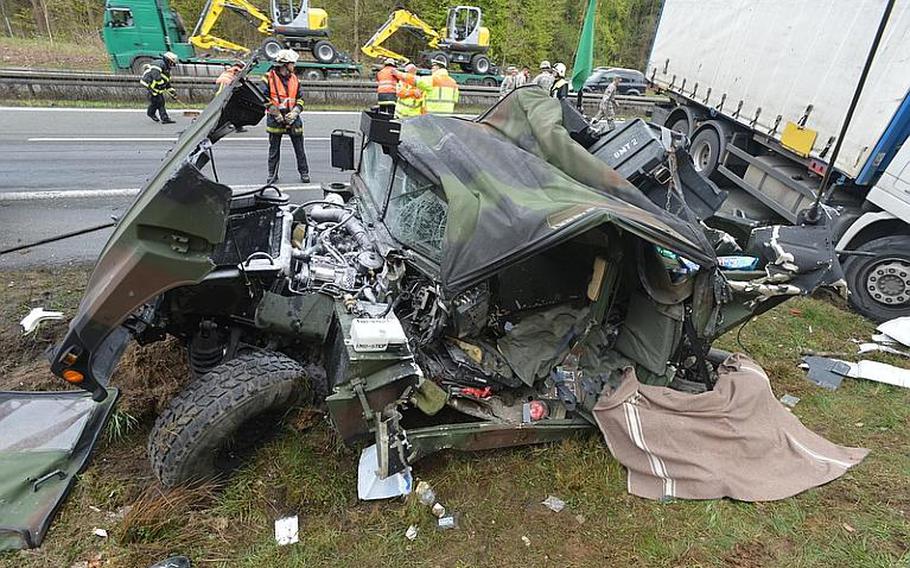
[[763, 91]]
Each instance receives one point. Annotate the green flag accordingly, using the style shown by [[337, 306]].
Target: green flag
[[584, 57]]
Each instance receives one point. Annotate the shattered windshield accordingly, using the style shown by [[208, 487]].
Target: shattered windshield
[[376, 170], [416, 214]]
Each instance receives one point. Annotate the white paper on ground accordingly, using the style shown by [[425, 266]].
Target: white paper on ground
[[870, 347], [880, 373], [898, 328], [370, 487], [287, 530]]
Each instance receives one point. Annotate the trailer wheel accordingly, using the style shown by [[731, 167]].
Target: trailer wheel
[[324, 51], [489, 82], [705, 151], [880, 285], [313, 75], [680, 125], [223, 414]]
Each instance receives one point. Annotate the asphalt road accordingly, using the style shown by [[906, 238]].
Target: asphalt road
[[66, 169]]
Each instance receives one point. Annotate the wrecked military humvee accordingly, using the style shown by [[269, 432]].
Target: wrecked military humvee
[[475, 285]]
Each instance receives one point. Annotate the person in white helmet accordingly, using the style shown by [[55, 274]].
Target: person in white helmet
[[545, 78], [285, 95], [560, 88], [386, 86], [156, 78]]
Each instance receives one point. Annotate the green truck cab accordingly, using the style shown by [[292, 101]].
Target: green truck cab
[[136, 31]]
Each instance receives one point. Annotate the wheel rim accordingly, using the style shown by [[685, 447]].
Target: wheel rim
[[888, 281], [701, 157], [324, 52], [313, 75], [482, 66], [271, 49]]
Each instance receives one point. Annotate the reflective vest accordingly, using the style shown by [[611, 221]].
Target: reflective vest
[[155, 85], [410, 97], [557, 85], [443, 93], [386, 81], [284, 99]]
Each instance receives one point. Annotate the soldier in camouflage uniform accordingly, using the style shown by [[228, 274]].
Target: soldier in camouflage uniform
[[606, 110]]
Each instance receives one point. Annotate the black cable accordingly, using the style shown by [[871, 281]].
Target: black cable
[[739, 337], [57, 238]]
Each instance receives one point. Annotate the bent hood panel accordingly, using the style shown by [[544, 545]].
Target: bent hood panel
[[164, 240]]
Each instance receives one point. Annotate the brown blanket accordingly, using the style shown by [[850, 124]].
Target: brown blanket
[[735, 441]]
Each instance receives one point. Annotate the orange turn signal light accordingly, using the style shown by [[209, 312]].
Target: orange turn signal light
[[74, 377]]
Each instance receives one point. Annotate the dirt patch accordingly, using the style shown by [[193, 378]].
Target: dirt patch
[[148, 376], [35, 53], [752, 554]]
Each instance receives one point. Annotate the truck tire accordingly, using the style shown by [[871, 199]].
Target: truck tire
[[193, 439], [324, 51], [880, 285], [138, 64], [705, 151], [480, 64], [680, 125], [489, 82]]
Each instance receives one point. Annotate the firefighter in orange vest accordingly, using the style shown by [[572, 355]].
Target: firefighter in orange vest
[[387, 83], [411, 97], [283, 114]]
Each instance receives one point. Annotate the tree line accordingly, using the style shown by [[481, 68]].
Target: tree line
[[523, 32]]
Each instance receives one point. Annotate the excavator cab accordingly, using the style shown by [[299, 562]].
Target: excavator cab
[[463, 28], [298, 18]]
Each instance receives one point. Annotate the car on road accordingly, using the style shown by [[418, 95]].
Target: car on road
[[631, 81], [475, 285]]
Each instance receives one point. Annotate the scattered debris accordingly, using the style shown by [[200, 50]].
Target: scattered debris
[[897, 329], [173, 562], [30, 322], [580, 519], [99, 532], [411, 533], [370, 487], [848, 528], [526, 540], [425, 493], [94, 508], [884, 348], [287, 530], [789, 400], [554, 504], [884, 339], [438, 510], [880, 373], [447, 522], [824, 372]]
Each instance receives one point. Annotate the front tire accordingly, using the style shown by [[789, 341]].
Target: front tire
[[192, 439], [880, 285]]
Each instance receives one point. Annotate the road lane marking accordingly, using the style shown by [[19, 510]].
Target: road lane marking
[[142, 110], [155, 139], [129, 192]]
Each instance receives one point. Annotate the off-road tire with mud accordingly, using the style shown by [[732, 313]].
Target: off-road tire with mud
[[203, 419]]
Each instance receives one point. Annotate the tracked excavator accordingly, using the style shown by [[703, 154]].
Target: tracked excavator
[[464, 40]]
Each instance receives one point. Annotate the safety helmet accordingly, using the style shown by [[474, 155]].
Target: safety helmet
[[286, 56], [171, 57], [410, 68], [512, 69], [389, 61], [440, 60], [544, 64], [560, 69]]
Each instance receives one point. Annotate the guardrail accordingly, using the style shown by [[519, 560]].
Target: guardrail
[[89, 85]]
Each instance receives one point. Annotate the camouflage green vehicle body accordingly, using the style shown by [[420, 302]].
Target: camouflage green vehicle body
[[508, 254]]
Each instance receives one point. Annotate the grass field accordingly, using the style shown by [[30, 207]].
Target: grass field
[[859, 520], [43, 54]]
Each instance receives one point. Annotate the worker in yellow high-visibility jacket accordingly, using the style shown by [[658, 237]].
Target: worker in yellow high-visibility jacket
[[443, 93], [411, 93]]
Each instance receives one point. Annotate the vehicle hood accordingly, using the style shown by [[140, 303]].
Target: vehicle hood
[[516, 183], [164, 240]]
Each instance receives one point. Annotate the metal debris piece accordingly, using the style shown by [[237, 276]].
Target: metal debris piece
[[880, 373], [898, 329], [438, 510], [370, 487], [447, 522], [411, 533], [789, 400], [871, 347], [554, 504], [30, 322], [826, 373], [287, 530]]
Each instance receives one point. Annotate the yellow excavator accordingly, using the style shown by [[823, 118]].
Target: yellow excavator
[[293, 25], [463, 40]]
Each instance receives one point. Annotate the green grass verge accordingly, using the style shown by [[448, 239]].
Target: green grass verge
[[858, 520]]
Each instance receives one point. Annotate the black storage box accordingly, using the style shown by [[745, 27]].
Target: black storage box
[[343, 149], [632, 149], [380, 128]]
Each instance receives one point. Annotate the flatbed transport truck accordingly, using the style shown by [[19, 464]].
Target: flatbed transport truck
[[763, 90]]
